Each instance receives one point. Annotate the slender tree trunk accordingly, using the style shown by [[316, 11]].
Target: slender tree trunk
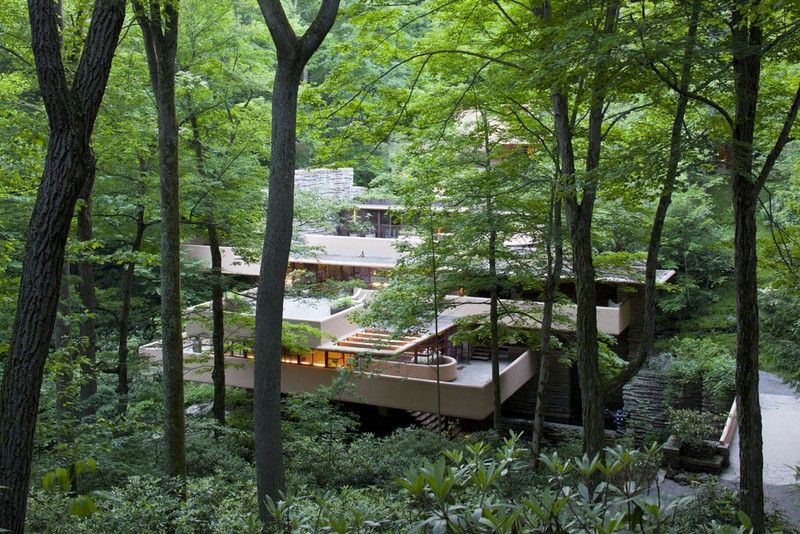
[[62, 334], [160, 31], [555, 254], [71, 115], [664, 201], [293, 54], [746, 42], [579, 217], [494, 336], [88, 325], [217, 309], [586, 331], [218, 332], [66, 399], [125, 316]]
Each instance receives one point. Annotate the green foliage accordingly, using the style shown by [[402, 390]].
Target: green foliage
[[712, 502], [148, 504], [694, 427], [348, 510], [701, 363], [213, 449], [780, 332], [459, 495], [323, 451], [342, 304], [64, 481], [698, 246]]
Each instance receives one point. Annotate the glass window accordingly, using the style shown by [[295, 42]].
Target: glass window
[[319, 358], [335, 359]]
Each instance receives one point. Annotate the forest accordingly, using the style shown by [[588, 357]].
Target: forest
[[607, 137]]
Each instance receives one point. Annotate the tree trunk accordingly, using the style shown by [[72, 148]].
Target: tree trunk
[[160, 33], [269, 309], [71, 115], [125, 316], [555, 255], [64, 360], [87, 292], [586, 330], [579, 220], [664, 201], [494, 319], [293, 54], [218, 332], [579, 201], [217, 311], [746, 44]]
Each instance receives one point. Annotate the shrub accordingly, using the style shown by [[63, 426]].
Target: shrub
[[705, 364], [693, 428], [780, 327], [342, 304], [712, 502]]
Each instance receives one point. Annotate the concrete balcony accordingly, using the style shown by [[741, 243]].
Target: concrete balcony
[[612, 319], [388, 384]]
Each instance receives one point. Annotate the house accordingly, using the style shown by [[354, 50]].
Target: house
[[402, 374]]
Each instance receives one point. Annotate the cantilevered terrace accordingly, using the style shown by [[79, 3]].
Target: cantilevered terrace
[[387, 371]]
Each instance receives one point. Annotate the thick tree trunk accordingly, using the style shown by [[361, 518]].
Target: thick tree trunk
[[218, 331], [293, 54], [171, 309], [269, 309], [71, 114], [745, 198]]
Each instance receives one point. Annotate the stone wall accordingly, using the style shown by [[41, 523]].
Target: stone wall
[[328, 189], [644, 401], [329, 183]]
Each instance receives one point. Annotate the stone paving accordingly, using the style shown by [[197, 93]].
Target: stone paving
[[780, 416]]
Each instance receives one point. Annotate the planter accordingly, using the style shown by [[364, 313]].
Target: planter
[[674, 458]]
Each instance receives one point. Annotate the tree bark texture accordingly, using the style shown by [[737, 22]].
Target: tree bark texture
[[269, 307], [579, 219], [293, 54], [159, 24], [71, 113], [746, 44]]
